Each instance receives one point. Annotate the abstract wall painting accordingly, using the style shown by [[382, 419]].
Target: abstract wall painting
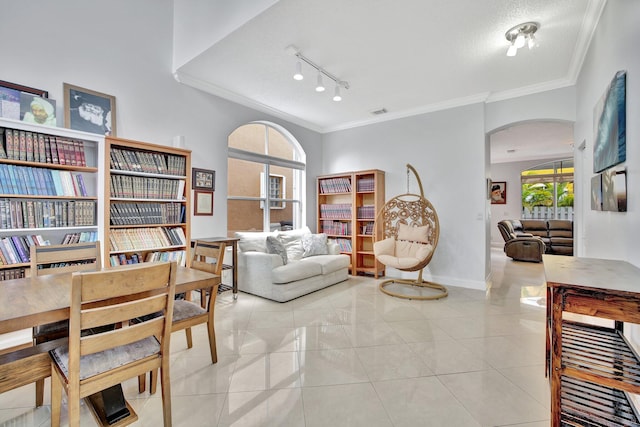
[[610, 120]]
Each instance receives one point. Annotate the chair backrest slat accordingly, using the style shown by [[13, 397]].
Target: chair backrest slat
[[204, 251], [121, 282], [65, 258], [94, 317]]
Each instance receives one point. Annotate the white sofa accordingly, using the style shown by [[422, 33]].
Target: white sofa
[[267, 275]]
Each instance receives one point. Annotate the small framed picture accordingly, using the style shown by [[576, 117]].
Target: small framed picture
[[11, 96], [203, 179], [89, 111], [498, 192], [203, 203]]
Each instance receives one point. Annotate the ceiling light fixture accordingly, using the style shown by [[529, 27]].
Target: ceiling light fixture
[[321, 71], [520, 35], [320, 86], [336, 93], [298, 74]]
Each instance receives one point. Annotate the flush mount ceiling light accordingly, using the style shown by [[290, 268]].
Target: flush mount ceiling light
[[520, 35], [320, 87]]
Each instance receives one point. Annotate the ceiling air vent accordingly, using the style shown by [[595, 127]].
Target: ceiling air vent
[[379, 111]]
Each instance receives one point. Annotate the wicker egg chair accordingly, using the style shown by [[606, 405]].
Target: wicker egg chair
[[408, 224]]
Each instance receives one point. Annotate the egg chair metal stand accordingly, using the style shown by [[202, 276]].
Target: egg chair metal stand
[[410, 232]]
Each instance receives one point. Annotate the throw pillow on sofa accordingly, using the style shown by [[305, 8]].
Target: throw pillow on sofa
[[314, 244], [275, 246], [292, 241]]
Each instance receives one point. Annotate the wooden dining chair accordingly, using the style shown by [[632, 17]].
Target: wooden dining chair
[[60, 259], [207, 256], [93, 362]]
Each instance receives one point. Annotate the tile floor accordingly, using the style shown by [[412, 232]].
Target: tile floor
[[350, 355]]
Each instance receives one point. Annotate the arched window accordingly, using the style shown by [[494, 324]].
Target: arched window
[[266, 168], [547, 191]]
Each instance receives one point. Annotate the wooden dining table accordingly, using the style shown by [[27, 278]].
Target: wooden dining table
[[38, 300]]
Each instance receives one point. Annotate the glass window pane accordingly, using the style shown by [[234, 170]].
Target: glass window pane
[[249, 137], [279, 146], [244, 178], [244, 215]]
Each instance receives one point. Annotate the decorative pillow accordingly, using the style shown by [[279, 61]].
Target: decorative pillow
[[292, 241], [413, 234], [253, 240], [314, 244], [275, 246]]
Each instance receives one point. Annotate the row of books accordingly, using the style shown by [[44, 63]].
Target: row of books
[[335, 228], [367, 229], [41, 181], [335, 211], [41, 148], [17, 249], [140, 187], [143, 161], [147, 213], [83, 236], [12, 273], [335, 185], [366, 212], [366, 184], [122, 259], [18, 213], [146, 238], [344, 244]]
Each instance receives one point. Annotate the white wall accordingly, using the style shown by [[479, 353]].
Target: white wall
[[614, 47], [447, 148], [124, 48]]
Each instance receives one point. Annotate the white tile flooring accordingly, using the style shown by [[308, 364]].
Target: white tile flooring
[[350, 355]]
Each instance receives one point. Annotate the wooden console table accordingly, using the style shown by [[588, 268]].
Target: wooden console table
[[591, 368]]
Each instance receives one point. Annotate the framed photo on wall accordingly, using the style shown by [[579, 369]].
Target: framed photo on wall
[[203, 179], [203, 203], [498, 192], [89, 111], [11, 96]]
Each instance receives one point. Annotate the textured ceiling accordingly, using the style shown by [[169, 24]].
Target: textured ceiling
[[406, 56]]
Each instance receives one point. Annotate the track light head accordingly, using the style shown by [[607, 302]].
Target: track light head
[[298, 74], [336, 93], [320, 86]]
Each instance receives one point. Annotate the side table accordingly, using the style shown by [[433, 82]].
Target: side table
[[231, 242]]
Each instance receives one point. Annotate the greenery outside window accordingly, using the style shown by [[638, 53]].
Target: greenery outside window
[[547, 191]]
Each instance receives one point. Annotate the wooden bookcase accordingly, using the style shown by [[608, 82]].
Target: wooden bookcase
[[148, 204], [592, 369], [347, 206], [49, 190]]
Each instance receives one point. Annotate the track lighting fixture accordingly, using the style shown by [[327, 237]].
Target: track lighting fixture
[[298, 74], [520, 35], [336, 93], [320, 87]]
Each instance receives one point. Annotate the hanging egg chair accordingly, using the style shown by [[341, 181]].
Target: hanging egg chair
[[410, 231]]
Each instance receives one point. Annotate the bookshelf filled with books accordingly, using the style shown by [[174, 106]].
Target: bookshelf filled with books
[[48, 190], [147, 216], [347, 205]]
